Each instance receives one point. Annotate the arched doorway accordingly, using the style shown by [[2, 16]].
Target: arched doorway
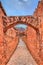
[[29, 21]]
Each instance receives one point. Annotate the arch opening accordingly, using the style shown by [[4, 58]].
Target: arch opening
[[29, 21], [14, 24], [20, 27]]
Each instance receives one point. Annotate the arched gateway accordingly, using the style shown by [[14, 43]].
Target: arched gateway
[[33, 38], [10, 22], [33, 25]]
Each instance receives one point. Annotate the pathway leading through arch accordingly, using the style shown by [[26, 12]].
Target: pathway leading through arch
[[21, 56]]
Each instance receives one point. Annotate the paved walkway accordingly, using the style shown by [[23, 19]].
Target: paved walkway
[[21, 56]]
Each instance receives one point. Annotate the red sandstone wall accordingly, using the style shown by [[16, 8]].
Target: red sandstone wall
[[1, 12], [11, 42], [32, 41], [33, 44], [8, 43], [39, 13], [39, 9]]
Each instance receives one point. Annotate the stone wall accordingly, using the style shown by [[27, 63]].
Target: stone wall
[[33, 40]]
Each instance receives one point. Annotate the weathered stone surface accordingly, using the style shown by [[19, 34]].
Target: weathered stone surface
[[21, 56], [33, 35]]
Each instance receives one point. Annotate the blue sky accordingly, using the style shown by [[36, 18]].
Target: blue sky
[[19, 7]]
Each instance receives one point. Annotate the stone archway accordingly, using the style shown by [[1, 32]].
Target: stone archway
[[9, 22], [12, 21]]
